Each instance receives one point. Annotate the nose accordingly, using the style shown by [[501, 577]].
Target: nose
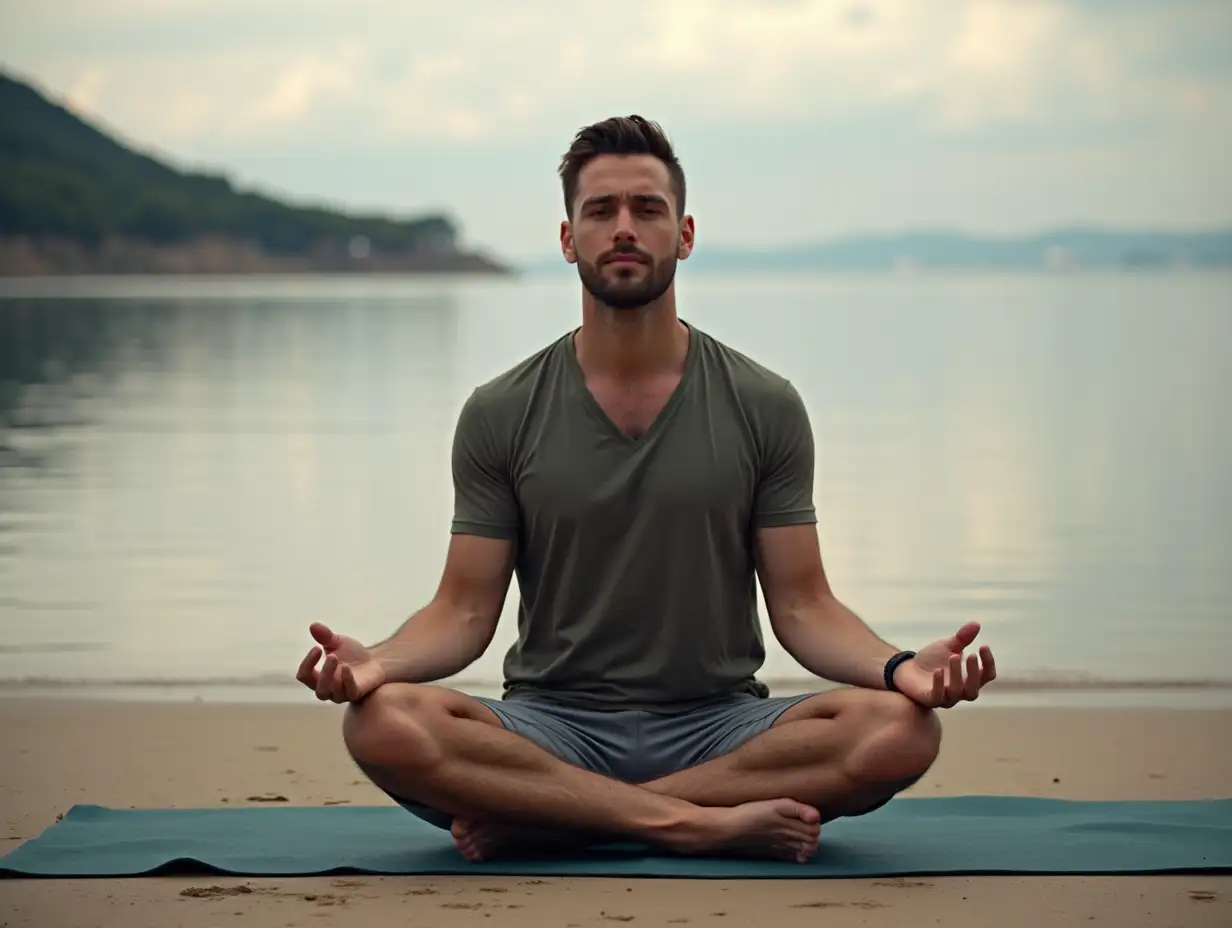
[[624, 230]]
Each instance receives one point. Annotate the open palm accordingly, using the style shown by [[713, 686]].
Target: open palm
[[934, 678]]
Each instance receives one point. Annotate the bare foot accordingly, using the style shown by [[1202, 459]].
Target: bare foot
[[479, 841], [779, 829]]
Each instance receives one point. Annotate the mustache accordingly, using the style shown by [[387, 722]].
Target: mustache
[[623, 250]]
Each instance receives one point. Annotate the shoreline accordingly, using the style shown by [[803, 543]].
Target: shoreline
[[1076, 693], [26, 257], [1044, 680], [165, 755]]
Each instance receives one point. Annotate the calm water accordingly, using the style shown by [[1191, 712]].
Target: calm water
[[192, 471]]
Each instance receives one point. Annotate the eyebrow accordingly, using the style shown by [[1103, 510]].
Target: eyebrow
[[642, 198]]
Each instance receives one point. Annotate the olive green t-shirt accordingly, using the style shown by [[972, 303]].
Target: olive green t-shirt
[[634, 556]]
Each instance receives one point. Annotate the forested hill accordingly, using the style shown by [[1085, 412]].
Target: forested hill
[[74, 199]]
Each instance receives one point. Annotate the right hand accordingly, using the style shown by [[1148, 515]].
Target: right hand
[[349, 673]]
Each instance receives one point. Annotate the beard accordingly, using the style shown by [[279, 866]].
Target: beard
[[628, 292]]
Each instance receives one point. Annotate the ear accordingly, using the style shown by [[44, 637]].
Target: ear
[[684, 245], [566, 242]]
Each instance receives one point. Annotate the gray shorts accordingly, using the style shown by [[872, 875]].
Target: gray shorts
[[632, 745]]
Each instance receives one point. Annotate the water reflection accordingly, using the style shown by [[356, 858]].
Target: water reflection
[[1047, 455], [181, 468], [191, 471]]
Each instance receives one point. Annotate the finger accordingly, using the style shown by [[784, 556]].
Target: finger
[[307, 673], [990, 668], [964, 636], [337, 690], [340, 693], [972, 689], [325, 683], [953, 689], [350, 688], [938, 693], [326, 637]]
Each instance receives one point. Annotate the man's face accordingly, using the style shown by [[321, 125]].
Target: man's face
[[624, 236]]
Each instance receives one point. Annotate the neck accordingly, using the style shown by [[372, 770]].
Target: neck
[[631, 342]]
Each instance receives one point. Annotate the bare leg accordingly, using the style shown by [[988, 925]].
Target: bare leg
[[841, 752], [438, 747]]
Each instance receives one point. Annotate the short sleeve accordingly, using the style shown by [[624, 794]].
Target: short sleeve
[[484, 501], [785, 484]]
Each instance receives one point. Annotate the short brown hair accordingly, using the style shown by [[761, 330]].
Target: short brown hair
[[620, 135]]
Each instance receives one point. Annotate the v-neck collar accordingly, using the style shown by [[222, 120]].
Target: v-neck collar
[[578, 376]]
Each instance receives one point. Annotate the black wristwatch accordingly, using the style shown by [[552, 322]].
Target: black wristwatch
[[892, 665]]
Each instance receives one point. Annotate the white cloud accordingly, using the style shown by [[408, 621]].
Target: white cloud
[[998, 63], [301, 86], [83, 93], [479, 71], [862, 114]]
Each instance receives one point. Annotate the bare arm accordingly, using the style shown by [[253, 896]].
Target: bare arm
[[823, 635], [453, 630], [456, 627]]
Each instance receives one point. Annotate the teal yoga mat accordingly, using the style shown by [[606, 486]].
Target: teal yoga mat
[[909, 836]]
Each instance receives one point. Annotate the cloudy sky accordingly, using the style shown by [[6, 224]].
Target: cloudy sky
[[796, 119]]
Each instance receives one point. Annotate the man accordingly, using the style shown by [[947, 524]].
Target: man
[[641, 477]]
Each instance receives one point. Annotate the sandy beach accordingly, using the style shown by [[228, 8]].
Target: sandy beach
[[59, 752]]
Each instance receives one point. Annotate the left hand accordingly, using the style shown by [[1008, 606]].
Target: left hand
[[934, 677]]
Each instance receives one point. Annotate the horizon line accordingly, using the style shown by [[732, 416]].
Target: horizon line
[[1043, 681]]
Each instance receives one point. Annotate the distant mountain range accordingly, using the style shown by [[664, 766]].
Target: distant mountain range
[[1059, 250], [74, 200]]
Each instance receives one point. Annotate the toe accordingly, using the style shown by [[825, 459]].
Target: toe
[[486, 841], [807, 814], [798, 812], [802, 831]]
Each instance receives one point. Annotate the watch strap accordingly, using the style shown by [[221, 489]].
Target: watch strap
[[892, 665]]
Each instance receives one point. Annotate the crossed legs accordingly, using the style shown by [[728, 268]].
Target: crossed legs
[[833, 754], [844, 753]]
